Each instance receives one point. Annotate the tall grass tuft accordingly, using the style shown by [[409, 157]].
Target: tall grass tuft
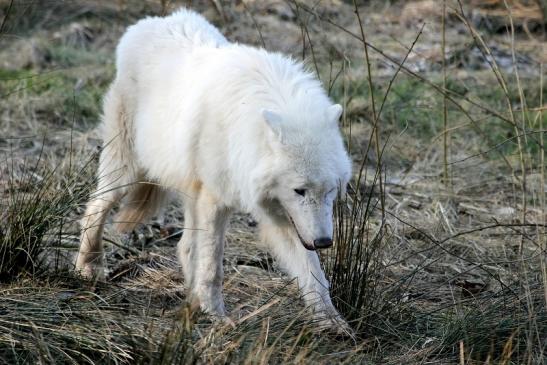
[[354, 264], [34, 206]]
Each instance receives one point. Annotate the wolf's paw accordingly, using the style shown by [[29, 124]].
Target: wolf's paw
[[336, 325], [220, 318], [91, 271], [224, 321]]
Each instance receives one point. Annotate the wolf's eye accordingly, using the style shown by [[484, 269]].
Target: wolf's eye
[[301, 192]]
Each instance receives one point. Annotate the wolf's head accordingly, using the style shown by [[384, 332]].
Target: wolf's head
[[307, 167]]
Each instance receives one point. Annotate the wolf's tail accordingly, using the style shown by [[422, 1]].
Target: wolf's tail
[[143, 201]]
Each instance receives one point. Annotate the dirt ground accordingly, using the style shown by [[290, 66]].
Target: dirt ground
[[457, 253]]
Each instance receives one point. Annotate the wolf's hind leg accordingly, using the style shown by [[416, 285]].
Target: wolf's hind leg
[[90, 256], [115, 174]]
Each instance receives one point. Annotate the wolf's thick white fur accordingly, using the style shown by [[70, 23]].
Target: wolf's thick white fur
[[228, 127]]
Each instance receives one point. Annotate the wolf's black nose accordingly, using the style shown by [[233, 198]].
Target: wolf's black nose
[[324, 242]]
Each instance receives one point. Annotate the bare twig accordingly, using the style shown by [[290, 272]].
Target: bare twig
[[445, 108], [255, 24], [4, 21], [305, 36], [376, 127]]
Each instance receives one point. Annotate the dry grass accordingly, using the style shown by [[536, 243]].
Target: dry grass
[[440, 252]]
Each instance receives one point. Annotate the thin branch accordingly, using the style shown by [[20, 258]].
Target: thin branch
[[375, 128], [255, 24], [4, 21]]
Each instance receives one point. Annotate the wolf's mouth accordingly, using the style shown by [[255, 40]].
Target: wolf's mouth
[[304, 243]]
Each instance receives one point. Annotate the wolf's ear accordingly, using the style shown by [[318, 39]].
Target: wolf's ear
[[333, 113], [274, 121]]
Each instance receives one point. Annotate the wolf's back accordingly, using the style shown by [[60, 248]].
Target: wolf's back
[[154, 39], [149, 53]]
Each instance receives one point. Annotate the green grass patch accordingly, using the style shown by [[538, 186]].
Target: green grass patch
[[416, 108], [62, 93]]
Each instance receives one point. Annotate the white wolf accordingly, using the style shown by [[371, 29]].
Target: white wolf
[[228, 127]]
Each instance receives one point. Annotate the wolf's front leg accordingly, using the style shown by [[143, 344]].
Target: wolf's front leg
[[303, 265], [210, 225]]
